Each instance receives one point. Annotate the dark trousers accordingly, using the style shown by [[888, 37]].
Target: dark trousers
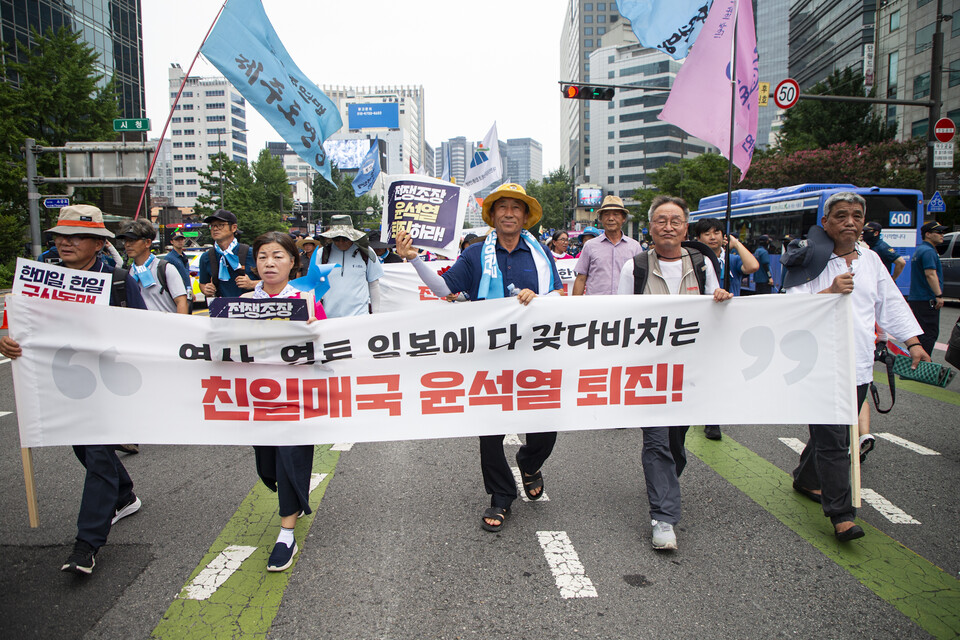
[[929, 320], [763, 287], [287, 470], [664, 457], [825, 465], [498, 479], [106, 487]]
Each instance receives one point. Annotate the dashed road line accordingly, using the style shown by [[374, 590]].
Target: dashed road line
[[565, 565], [216, 573], [887, 509], [906, 444], [4, 413], [793, 443], [523, 494], [4, 360], [342, 446], [512, 438], [315, 480]]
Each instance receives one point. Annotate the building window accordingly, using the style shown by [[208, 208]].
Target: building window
[[190, 156], [178, 157], [955, 73], [177, 145], [610, 164], [601, 31], [588, 6], [177, 169], [895, 20], [609, 75], [213, 132], [588, 19], [921, 86], [609, 135], [178, 194], [599, 44], [188, 119], [178, 183], [609, 179], [176, 132], [588, 31], [920, 3], [188, 145], [188, 94], [601, 18], [192, 181], [609, 119], [893, 69], [216, 105], [188, 132], [919, 128], [601, 6], [924, 38], [191, 194], [187, 107], [892, 116], [215, 94], [175, 120], [588, 43]]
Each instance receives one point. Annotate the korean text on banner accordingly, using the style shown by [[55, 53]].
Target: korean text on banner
[[696, 104], [486, 166], [429, 209], [53, 282], [671, 27], [369, 170], [470, 369], [246, 49]]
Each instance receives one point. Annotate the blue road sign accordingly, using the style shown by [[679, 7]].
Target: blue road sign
[[936, 204], [56, 203]]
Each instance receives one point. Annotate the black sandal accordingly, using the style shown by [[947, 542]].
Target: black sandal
[[532, 481], [494, 513]]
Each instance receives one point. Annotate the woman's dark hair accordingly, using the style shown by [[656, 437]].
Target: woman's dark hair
[[557, 235], [285, 241]]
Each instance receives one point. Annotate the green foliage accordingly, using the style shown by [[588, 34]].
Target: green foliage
[[338, 197], [61, 98], [555, 194], [690, 179], [6, 273], [812, 124]]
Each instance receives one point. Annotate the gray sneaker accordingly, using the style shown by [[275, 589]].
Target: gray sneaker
[[663, 535]]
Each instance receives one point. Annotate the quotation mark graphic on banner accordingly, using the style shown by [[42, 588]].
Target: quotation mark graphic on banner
[[761, 343], [78, 382]]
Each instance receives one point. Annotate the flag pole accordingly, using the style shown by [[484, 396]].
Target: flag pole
[[733, 114], [156, 153]]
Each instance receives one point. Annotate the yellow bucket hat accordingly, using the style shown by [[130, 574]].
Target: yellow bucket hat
[[515, 191]]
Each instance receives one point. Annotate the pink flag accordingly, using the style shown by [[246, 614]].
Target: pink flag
[[699, 101]]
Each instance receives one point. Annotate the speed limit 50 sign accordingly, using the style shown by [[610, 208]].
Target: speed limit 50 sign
[[787, 93]]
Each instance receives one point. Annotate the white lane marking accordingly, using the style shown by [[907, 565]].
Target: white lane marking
[[906, 444], [793, 443], [512, 438], [4, 413], [523, 494], [315, 480], [216, 573], [887, 509], [342, 446], [4, 360], [565, 565]]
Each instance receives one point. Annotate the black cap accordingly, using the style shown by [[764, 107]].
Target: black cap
[[177, 234], [932, 227], [223, 215], [130, 235], [871, 231]]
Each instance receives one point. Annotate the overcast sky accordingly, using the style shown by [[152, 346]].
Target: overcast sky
[[477, 62]]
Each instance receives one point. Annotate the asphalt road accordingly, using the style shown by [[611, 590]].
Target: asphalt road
[[394, 548]]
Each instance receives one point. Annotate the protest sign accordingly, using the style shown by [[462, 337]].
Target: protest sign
[[430, 210], [53, 282], [560, 363], [259, 308]]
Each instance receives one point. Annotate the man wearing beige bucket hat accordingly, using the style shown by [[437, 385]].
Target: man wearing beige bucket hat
[[355, 286], [599, 264], [510, 262], [107, 489]]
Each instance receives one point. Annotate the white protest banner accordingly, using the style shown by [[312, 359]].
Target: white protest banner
[[429, 209], [560, 363], [402, 288], [53, 282]]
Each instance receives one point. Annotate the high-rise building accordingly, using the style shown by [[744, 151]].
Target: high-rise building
[[827, 36], [524, 161], [904, 41], [210, 117], [111, 27], [587, 26], [773, 29], [163, 174], [459, 151], [628, 142], [394, 114], [429, 159]]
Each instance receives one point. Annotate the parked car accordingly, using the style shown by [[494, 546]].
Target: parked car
[[194, 255], [949, 251]]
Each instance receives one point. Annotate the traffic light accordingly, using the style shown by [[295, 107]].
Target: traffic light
[[587, 92]]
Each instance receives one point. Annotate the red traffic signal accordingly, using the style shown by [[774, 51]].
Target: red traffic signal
[[587, 92]]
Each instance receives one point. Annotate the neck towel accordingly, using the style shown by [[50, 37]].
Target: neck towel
[[288, 292], [491, 281], [142, 273], [228, 257]]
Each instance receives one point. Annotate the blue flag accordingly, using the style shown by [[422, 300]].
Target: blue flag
[[671, 27], [369, 170], [248, 52]]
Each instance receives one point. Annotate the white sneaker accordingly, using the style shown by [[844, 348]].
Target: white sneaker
[[663, 535], [130, 509]]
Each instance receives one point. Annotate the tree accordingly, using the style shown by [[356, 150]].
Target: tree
[[690, 179], [61, 98], [555, 194], [337, 197], [812, 124]]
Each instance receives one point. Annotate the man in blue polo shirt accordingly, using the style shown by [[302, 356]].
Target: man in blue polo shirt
[[888, 255], [233, 263], [516, 265], [926, 284]]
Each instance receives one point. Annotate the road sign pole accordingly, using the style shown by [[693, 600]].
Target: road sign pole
[[936, 75], [33, 198]]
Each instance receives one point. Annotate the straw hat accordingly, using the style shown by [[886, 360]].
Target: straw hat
[[612, 203], [341, 226], [307, 240], [515, 191], [81, 218]]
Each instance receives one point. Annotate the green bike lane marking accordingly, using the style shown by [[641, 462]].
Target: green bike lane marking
[[916, 587], [925, 390], [246, 604]]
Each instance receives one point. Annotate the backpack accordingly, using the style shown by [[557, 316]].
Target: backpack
[[118, 287], [364, 253], [214, 259], [699, 252]]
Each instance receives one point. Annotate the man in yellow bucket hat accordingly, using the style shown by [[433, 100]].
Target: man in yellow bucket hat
[[510, 262]]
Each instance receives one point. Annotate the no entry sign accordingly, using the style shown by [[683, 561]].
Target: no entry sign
[[944, 130]]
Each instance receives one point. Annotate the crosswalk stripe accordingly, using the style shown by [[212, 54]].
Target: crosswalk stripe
[[793, 443], [4, 413], [342, 446], [512, 438], [906, 444], [4, 360], [565, 565], [887, 509], [217, 572], [315, 480], [523, 494]]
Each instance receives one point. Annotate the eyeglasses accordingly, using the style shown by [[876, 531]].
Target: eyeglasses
[[219, 225], [669, 222]]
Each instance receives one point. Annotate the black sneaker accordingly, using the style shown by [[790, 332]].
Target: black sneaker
[[81, 561], [712, 432]]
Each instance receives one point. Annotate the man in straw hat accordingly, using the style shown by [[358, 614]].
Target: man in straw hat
[[510, 262], [107, 489], [307, 246], [829, 261], [599, 264], [355, 286]]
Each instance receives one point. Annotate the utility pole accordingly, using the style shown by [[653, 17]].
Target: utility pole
[[936, 82]]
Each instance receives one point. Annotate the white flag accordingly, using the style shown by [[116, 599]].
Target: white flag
[[485, 167]]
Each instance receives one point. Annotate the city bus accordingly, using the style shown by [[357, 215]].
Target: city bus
[[792, 210]]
